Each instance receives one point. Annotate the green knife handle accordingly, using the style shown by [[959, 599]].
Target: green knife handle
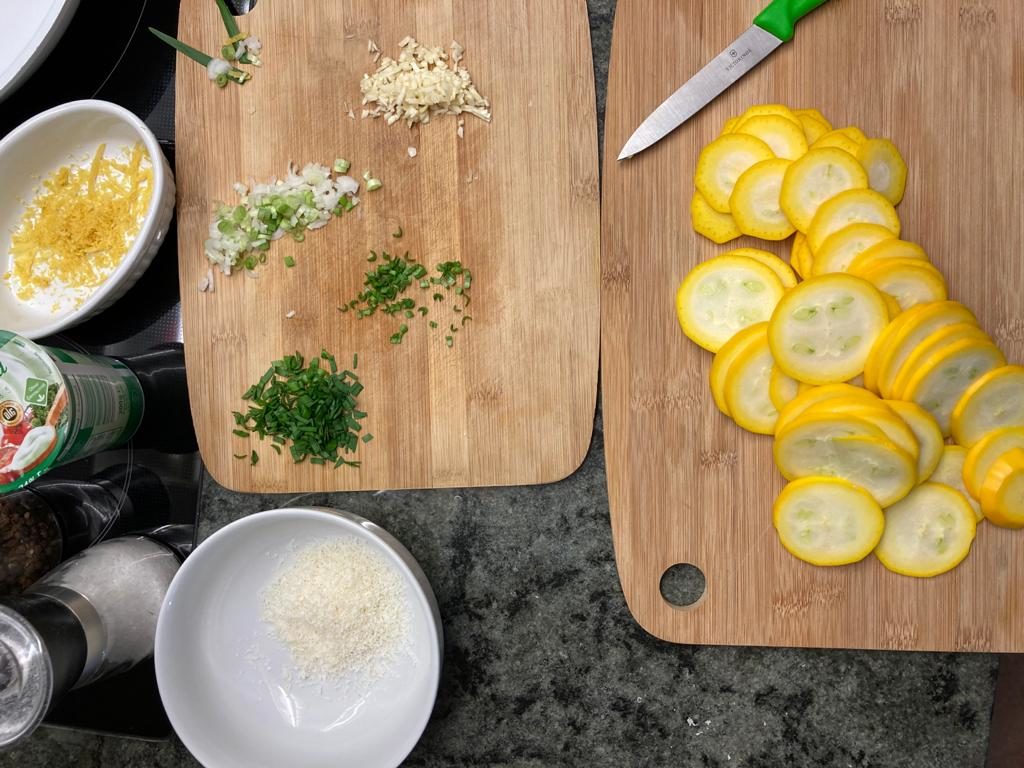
[[781, 16]]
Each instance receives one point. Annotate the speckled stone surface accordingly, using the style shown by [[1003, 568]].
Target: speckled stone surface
[[545, 667]]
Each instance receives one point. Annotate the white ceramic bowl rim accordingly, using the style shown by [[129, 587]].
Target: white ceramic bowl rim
[[149, 223], [411, 571]]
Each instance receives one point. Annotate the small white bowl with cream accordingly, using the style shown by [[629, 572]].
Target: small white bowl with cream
[[87, 199]]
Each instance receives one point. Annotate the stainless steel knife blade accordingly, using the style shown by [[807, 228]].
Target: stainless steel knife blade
[[745, 53]]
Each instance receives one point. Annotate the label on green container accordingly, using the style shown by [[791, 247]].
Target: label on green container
[[57, 406]]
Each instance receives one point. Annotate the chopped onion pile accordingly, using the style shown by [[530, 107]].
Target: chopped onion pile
[[241, 234], [422, 84]]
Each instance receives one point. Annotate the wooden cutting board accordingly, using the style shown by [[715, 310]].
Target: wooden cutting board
[[516, 201], [945, 80]]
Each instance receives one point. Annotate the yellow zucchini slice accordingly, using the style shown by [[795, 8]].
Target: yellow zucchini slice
[[725, 295], [950, 471], [892, 248], [893, 305], [781, 388], [877, 413], [842, 247], [761, 110], [716, 227], [928, 533], [926, 431], [1002, 494], [911, 328], [800, 257], [782, 270], [746, 388], [851, 207], [812, 447], [814, 395], [994, 401], [755, 201], [722, 162], [817, 176], [946, 375], [786, 137], [886, 168], [854, 133], [822, 331], [814, 128], [730, 125], [827, 521], [815, 114], [839, 140], [936, 342], [909, 281], [984, 453], [726, 356]]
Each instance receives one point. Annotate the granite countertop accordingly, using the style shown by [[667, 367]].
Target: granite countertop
[[544, 666]]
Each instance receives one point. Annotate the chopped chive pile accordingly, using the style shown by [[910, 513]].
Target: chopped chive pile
[[385, 288], [309, 409]]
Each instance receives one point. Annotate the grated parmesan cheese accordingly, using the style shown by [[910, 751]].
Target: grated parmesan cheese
[[420, 85], [78, 228], [340, 608]]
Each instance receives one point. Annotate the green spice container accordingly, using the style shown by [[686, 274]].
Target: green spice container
[[57, 406]]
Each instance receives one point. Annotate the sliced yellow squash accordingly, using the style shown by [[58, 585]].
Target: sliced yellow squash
[[909, 281], [827, 521], [855, 133], [892, 248], [822, 331], [851, 207], [950, 471], [927, 533], [746, 388], [946, 375], [722, 162], [842, 247], [778, 266], [786, 137], [911, 328], [813, 395], [984, 453], [725, 295], [730, 125], [877, 413], [811, 446], [725, 357], [936, 342], [837, 139], [716, 227], [814, 128], [781, 388], [813, 113], [927, 432], [800, 257], [817, 176], [760, 110], [1002, 494], [755, 201], [994, 401], [886, 168]]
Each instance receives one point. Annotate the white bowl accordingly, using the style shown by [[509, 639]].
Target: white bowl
[[40, 146], [28, 33], [224, 679]]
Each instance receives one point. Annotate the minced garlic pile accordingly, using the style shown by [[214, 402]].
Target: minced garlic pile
[[80, 225], [421, 84]]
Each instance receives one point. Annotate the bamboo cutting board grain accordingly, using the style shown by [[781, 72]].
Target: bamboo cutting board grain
[[945, 80], [516, 201]]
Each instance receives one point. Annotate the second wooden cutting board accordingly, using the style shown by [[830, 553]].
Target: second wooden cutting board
[[516, 201], [945, 80]]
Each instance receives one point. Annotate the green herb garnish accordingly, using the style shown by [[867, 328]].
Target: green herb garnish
[[289, 262], [309, 408]]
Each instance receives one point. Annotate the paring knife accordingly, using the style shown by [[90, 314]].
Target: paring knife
[[771, 28]]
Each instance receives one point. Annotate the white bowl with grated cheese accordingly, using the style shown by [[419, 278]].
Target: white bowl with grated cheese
[[302, 637], [65, 136]]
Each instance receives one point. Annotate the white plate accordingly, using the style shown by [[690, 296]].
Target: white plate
[[29, 29], [226, 683]]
